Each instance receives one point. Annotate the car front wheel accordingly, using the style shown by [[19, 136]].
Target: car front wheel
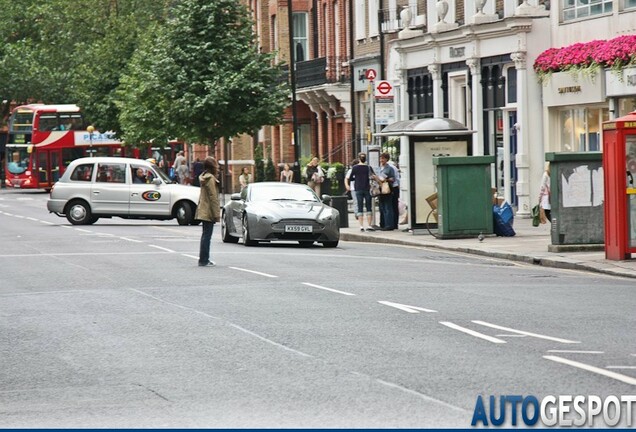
[[330, 244], [247, 241], [78, 212], [225, 233]]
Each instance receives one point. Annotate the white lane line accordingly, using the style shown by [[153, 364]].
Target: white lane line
[[328, 289], [576, 352], [19, 216], [536, 335], [407, 308], [269, 341], [254, 271], [66, 226], [47, 222], [190, 256], [420, 395], [131, 240], [83, 230], [620, 367], [32, 219], [594, 369], [162, 248], [511, 335], [8, 214], [472, 332]]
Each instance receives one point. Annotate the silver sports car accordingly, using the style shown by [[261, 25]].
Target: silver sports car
[[279, 211]]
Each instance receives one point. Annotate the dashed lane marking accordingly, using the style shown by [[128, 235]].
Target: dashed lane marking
[[536, 335], [576, 352], [614, 375], [254, 271], [472, 332], [328, 289], [407, 308], [162, 248]]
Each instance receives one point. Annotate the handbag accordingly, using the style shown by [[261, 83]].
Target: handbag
[[536, 216], [385, 188], [375, 188]]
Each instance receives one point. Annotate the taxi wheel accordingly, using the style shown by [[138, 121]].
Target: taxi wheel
[[78, 212], [184, 213], [330, 244]]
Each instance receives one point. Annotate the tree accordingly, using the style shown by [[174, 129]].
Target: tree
[[270, 170], [259, 165], [217, 83]]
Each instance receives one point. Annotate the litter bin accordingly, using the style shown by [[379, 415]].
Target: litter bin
[[340, 204], [464, 196]]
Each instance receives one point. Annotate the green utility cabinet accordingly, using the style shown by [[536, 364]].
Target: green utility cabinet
[[464, 196], [577, 200]]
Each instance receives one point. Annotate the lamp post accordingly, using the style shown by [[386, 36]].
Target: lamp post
[[90, 130], [292, 77]]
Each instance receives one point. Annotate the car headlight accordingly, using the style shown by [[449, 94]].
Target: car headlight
[[326, 216]]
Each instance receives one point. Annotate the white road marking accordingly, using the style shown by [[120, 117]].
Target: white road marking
[[620, 367], [407, 308], [162, 248], [269, 341], [254, 271], [328, 289], [24, 199], [576, 352], [131, 240], [190, 256], [32, 219], [511, 335], [536, 335], [594, 369], [8, 214], [83, 230], [47, 222], [66, 226], [19, 216], [472, 332], [418, 394]]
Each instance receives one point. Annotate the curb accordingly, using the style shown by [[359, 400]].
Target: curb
[[534, 260]]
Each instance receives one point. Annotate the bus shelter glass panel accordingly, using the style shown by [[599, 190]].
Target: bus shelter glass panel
[[630, 158]]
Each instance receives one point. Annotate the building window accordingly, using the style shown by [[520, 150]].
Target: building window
[[574, 9], [630, 4], [360, 8], [301, 42], [580, 128], [626, 106], [374, 23]]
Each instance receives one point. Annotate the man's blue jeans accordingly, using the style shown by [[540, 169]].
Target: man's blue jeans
[[206, 236]]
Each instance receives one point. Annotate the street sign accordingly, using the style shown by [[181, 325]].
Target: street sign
[[383, 89], [371, 74]]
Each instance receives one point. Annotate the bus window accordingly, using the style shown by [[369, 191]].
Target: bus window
[[71, 121], [70, 154], [22, 122], [48, 122]]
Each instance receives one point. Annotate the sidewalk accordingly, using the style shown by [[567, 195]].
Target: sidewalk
[[529, 245]]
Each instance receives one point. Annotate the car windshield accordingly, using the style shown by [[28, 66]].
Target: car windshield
[[283, 192]]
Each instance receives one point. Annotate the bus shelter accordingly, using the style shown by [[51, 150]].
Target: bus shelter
[[421, 141]]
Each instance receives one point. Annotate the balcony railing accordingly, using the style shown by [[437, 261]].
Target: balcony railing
[[323, 70]]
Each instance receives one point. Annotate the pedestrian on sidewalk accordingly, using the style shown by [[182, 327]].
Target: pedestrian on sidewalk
[[544, 196], [208, 209], [386, 174], [350, 185], [361, 175], [395, 192]]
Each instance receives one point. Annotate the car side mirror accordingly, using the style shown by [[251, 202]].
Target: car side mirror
[[235, 197], [325, 198], [156, 181]]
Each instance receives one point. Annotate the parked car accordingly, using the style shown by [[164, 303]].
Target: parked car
[[271, 211], [103, 187]]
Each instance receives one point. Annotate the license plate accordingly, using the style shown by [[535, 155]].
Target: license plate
[[299, 228]]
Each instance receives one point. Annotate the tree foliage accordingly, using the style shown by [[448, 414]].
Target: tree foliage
[[149, 70]]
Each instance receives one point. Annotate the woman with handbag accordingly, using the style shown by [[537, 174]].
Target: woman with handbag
[[544, 196], [315, 175]]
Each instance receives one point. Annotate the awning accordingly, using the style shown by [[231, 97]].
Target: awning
[[425, 127]]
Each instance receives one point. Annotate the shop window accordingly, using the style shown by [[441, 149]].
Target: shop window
[[580, 129], [626, 106]]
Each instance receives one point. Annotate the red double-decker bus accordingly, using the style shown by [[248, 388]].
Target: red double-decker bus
[[44, 139]]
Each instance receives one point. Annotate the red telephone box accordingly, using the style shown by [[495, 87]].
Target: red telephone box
[[619, 167]]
